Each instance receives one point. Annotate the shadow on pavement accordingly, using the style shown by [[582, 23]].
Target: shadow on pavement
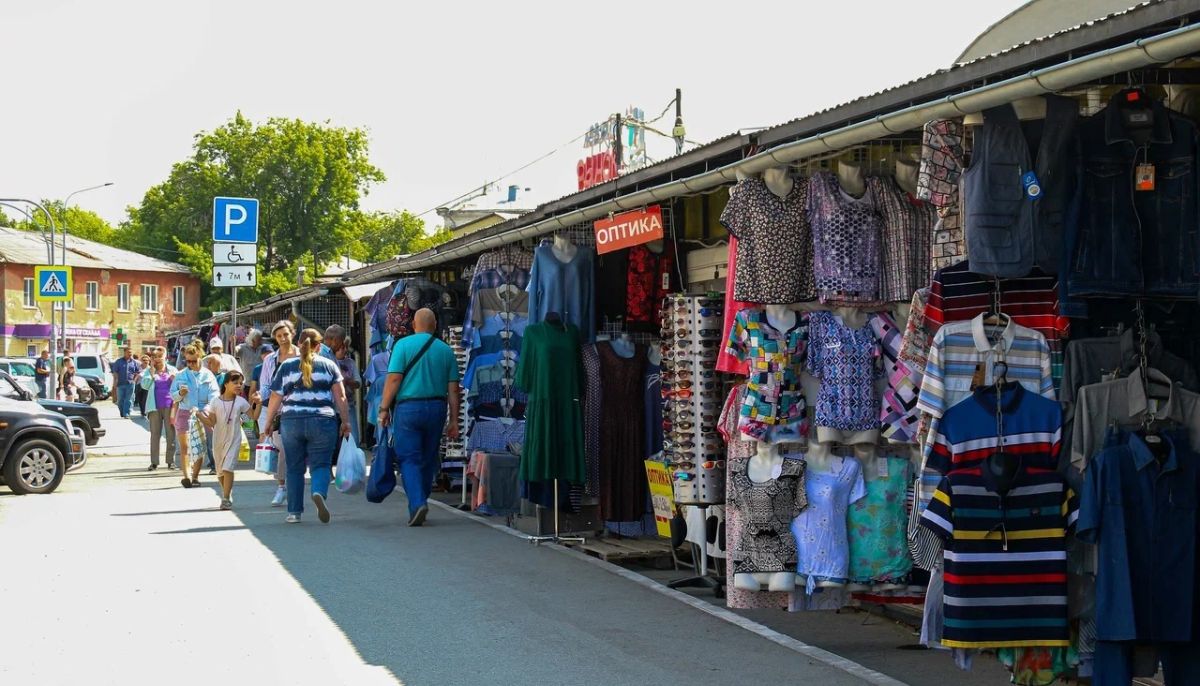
[[150, 514], [199, 529]]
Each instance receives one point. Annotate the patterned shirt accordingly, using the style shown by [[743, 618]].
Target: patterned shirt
[[511, 257], [494, 436], [774, 396], [1005, 559], [914, 348], [846, 361], [906, 237], [495, 290], [307, 401], [648, 281], [845, 242], [969, 431], [775, 243], [943, 157], [898, 417]]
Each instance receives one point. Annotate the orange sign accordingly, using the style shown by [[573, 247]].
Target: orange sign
[[629, 229]]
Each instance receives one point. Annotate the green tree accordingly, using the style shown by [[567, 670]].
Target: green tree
[[308, 177], [75, 220], [382, 236]]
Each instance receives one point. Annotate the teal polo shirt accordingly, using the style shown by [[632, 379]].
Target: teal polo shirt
[[432, 374]]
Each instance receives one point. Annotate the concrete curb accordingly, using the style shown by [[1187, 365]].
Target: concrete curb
[[821, 655]]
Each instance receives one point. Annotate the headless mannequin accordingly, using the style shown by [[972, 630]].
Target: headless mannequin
[[901, 312], [764, 466], [850, 178], [906, 175], [779, 181], [564, 249], [855, 319], [623, 346]]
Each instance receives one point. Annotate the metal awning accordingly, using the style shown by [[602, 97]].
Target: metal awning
[[363, 290]]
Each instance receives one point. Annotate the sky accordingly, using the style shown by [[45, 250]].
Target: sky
[[452, 93]]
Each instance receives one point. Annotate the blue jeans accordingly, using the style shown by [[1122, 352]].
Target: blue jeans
[[124, 398], [42, 387], [416, 435], [308, 442]]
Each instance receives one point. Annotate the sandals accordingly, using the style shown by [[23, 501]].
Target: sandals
[[187, 483]]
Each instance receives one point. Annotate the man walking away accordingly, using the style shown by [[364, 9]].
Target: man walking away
[[125, 372], [248, 355], [422, 379], [343, 357], [42, 369]]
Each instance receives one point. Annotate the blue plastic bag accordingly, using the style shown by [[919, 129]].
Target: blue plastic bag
[[351, 468], [382, 480]]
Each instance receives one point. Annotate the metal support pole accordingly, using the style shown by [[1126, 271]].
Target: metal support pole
[[51, 387], [233, 325]]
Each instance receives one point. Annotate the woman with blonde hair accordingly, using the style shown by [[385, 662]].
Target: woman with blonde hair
[[308, 397], [191, 390]]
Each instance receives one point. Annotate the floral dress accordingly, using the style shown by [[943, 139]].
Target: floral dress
[[773, 410], [822, 539], [878, 526]]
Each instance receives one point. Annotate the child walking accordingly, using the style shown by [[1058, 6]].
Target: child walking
[[224, 415]]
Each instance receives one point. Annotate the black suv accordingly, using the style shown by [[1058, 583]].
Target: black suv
[[37, 447], [85, 417]]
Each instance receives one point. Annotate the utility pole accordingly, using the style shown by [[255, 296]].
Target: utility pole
[[618, 149], [678, 132]]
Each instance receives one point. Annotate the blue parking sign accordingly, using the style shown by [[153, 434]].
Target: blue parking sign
[[235, 220]]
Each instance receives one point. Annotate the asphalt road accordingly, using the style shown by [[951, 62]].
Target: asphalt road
[[124, 577]]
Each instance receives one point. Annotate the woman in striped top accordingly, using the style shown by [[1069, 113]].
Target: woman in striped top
[[308, 396]]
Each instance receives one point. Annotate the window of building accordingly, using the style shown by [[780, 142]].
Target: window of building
[[178, 299], [123, 297], [29, 293], [149, 297], [31, 351], [92, 290]]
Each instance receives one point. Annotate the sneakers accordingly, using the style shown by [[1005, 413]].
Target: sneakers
[[226, 503], [212, 472], [418, 517], [280, 496], [292, 519], [322, 511]]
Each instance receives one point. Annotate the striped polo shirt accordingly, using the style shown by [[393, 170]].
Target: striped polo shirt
[[307, 401], [957, 293], [1005, 560], [970, 431]]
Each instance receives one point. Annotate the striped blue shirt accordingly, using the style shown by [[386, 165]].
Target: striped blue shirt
[[301, 401]]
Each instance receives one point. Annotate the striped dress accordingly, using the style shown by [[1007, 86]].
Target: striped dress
[[1005, 559]]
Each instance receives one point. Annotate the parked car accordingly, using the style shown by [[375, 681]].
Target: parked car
[[83, 416], [95, 370], [37, 447], [22, 370]]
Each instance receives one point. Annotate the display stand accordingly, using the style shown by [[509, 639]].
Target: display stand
[[555, 538], [702, 579]]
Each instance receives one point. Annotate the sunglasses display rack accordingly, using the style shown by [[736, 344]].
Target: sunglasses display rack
[[692, 393]]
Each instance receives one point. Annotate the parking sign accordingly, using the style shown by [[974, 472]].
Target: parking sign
[[235, 220]]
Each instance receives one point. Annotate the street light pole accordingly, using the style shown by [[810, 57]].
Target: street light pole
[[50, 251], [62, 332]]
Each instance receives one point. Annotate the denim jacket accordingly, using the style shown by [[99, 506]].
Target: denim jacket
[[1009, 233], [1131, 242]]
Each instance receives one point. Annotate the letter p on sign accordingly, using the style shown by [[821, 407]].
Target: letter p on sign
[[235, 220]]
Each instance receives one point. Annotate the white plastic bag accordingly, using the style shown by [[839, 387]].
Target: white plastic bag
[[266, 457], [351, 468]]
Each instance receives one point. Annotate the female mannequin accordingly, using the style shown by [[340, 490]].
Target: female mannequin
[[850, 178], [906, 175], [779, 181], [766, 465], [564, 249], [820, 459], [856, 319]]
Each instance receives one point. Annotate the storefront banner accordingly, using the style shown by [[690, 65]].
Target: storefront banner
[[662, 496], [628, 229]]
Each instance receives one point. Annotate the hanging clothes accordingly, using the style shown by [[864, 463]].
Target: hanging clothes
[[653, 409], [905, 240], [612, 283], [765, 544], [822, 539], [846, 361], [877, 528], [566, 287], [650, 277], [622, 434], [943, 157], [726, 361], [550, 371], [845, 242], [775, 242], [593, 399], [898, 418], [774, 407]]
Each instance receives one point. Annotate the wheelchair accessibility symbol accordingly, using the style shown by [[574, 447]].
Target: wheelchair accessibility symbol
[[235, 253]]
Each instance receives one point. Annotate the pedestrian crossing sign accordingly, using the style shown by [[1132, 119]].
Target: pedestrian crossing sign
[[54, 284]]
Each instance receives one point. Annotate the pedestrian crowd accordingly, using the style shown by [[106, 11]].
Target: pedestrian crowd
[[298, 396]]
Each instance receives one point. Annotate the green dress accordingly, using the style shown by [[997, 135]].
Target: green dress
[[550, 370]]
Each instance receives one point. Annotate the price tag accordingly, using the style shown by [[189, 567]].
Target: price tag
[[1144, 177], [666, 281], [881, 465], [978, 376]]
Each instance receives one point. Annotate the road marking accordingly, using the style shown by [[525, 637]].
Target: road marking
[[834, 660]]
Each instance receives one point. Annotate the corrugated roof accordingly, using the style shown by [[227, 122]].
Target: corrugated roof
[[28, 247]]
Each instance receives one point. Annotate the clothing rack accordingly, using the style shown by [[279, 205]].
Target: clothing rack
[[555, 537]]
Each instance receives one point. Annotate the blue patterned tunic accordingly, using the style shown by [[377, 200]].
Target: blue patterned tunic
[[846, 361]]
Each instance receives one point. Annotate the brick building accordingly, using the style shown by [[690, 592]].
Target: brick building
[[115, 291]]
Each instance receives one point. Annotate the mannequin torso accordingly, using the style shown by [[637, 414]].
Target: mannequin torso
[[564, 249], [779, 181], [906, 175], [850, 178]]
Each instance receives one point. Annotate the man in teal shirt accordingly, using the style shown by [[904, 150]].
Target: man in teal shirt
[[422, 380]]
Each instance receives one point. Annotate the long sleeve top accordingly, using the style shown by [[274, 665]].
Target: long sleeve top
[[202, 387]]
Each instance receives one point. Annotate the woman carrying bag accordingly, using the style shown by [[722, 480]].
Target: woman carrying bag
[[282, 333], [192, 390], [308, 397]]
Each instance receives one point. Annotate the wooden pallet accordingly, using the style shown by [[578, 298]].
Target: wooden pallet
[[619, 549]]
